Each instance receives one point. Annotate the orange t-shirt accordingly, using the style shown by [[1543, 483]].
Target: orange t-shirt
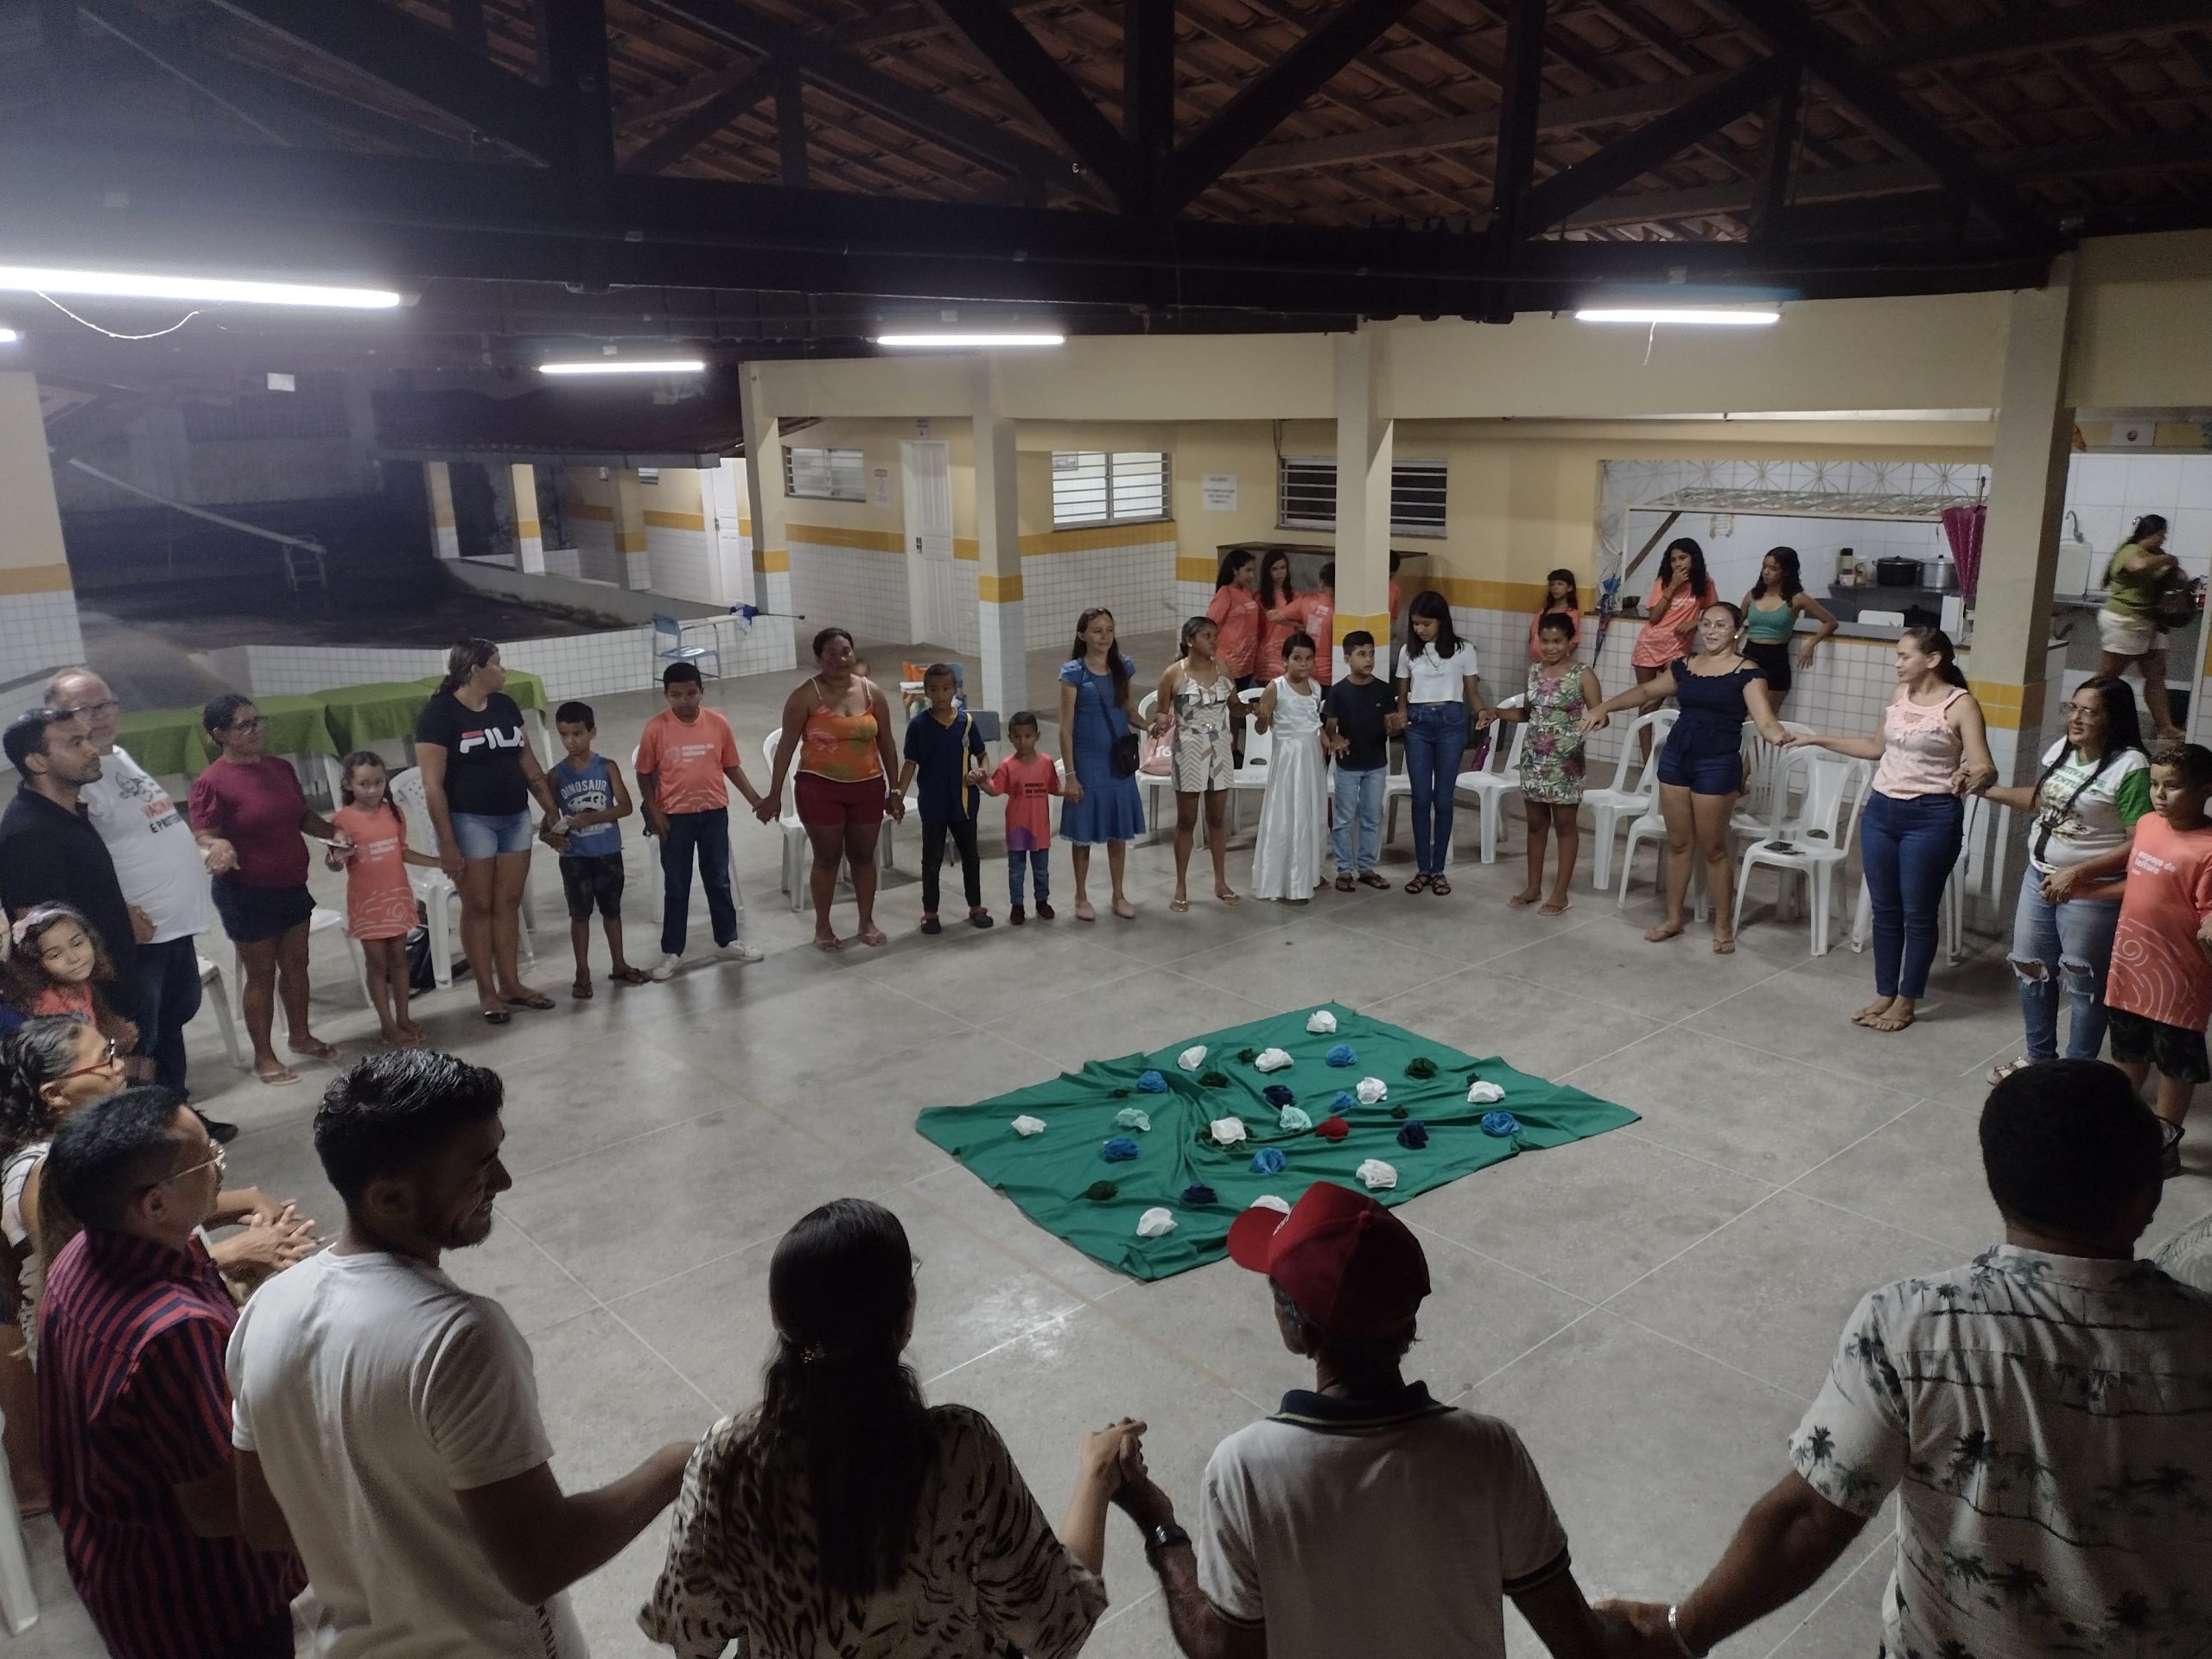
[[2158, 970], [686, 760], [1320, 613], [380, 903], [1236, 613]]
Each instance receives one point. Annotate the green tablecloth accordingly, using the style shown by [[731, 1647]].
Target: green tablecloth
[[171, 741], [361, 714]]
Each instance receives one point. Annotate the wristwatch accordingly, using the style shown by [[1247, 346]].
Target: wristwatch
[[1161, 1536]]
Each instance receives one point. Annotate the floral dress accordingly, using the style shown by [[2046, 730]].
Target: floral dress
[[1552, 758], [1205, 756]]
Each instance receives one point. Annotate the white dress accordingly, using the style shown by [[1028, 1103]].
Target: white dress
[[1294, 811]]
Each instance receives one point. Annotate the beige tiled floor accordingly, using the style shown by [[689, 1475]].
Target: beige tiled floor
[[1652, 1308]]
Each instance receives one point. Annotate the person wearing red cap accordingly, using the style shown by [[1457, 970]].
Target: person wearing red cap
[[1363, 1516]]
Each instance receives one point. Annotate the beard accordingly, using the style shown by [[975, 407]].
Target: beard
[[465, 1232]]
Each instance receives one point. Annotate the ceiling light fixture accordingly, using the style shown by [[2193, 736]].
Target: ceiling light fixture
[[8, 336], [626, 365], [1708, 316], [947, 341], [134, 285]]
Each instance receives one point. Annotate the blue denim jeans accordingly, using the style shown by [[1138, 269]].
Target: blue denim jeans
[[2073, 943], [1037, 861], [168, 996], [1359, 809], [1436, 737], [1908, 848], [706, 835]]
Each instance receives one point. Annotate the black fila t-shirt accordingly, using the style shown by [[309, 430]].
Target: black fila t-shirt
[[483, 752]]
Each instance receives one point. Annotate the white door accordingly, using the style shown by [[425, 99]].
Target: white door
[[930, 593]]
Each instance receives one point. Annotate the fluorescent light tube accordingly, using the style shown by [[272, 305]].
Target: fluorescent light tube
[[129, 285], [956, 342], [626, 365], [1710, 316], [8, 336]]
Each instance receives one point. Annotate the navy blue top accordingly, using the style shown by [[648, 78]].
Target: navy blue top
[[938, 754], [1713, 710], [587, 789]]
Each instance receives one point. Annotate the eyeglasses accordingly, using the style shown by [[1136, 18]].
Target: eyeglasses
[[2086, 711], [217, 1159], [106, 706], [107, 1058], [251, 723]]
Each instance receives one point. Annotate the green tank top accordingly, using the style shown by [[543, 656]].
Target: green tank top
[[1771, 627], [2129, 593]]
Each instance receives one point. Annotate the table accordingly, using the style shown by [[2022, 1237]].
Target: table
[[360, 715], [171, 741]]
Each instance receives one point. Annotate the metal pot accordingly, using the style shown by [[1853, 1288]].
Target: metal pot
[[1946, 579], [1894, 572]]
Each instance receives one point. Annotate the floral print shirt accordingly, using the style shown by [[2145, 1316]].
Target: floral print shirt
[[2046, 1422]]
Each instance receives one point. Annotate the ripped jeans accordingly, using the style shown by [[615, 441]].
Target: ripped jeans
[[2067, 945]]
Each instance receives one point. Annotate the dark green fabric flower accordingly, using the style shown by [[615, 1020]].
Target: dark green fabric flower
[[1101, 1191]]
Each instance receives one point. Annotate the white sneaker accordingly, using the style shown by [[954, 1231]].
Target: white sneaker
[[665, 967], [737, 950]]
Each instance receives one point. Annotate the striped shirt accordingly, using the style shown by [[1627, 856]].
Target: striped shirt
[[132, 1403]]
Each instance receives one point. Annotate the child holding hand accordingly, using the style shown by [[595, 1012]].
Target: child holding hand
[[372, 848], [946, 752], [1295, 810], [1361, 714], [1028, 780], [1560, 691]]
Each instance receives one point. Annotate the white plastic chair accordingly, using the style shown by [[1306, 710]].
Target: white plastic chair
[[1498, 776], [440, 898], [1634, 788], [18, 1598], [795, 862], [1818, 839], [1762, 810], [323, 921], [211, 981], [1652, 826], [1251, 778]]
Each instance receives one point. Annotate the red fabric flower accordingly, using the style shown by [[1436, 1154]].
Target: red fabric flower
[[1333, 1128]]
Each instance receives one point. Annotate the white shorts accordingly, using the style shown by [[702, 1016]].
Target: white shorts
[[2126, 636]]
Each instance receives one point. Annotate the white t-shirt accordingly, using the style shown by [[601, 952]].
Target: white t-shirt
[[1394, 1526], [373, 1388], [156, 860], [2089, 810], [1434, 678]]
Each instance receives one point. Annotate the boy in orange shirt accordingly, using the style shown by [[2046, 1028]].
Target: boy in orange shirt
[[2159, 988], [1028, 780], [683, 758]]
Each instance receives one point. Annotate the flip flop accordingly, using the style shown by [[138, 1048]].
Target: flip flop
[[581, 990], [627, 974], [530, 999], [829, 945], [1178, 905], [1344, 883], [1230, 898], [495, 1016], [1374, 879], [873, 935], [283, 1077], [317, 1050]]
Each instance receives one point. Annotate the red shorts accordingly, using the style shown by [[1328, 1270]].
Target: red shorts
[[823, 802]]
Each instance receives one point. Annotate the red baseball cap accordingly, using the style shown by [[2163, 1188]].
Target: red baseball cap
[[1349, 1265]]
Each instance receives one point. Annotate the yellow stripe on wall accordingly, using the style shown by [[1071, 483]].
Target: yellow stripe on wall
[[2009, 708], [1099, 536], [967, 547], [656, 519], [36, 579], [1198, 568], [771, 559], [1345, 622], [863, 541], [629, 541], [526, 527], [997, 590]]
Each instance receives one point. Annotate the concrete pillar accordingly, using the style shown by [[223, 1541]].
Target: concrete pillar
[[529, 541], [764, 499], [38, 602], [1364, 448], [630, 530], [437, 484], [2011, 665], [1002, 626]]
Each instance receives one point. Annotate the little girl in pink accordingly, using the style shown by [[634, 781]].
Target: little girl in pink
[[379, 904]]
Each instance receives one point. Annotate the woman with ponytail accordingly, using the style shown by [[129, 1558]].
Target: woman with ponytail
[[843, 1517], [479, 774], [1932, 751]]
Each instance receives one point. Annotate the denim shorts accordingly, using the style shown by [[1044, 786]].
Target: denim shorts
[[488, 835], [1702, 774]]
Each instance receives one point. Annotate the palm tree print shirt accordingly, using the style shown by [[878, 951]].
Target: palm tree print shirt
[[2047, 1423]]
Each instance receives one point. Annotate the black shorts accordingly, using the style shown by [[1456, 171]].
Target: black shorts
[[2177, 1051], [1774, 663], [595, 881], [252, 915]]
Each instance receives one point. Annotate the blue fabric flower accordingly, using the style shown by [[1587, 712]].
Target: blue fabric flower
[[1119, 1150], [1500, 1123], [1413, 1135], [1341, 1054], [1268, 1160], [1153, 1083], [1197, 1192], [1344, 1101], [1279, 1094]]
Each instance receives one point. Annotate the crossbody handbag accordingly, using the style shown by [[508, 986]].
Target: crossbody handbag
[[1121, 754]]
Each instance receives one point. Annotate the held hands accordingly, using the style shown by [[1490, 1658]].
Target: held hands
[[1596, 721], [219, 857], [142, 925], [1970, 779], [975, 777], [1105, 1457], [451, 861], [1073, 791], [2058, 885], [656, 823], [1637, 1630], [1394, 723], [1339, 745], [897, 807], [771, 805]]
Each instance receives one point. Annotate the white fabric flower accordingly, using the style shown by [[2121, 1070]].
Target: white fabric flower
[[1193, 1058], [1268, 1201], [1378, 1175], [1029, 1126], [1227, 1131], [1484, 1094], [1321, 1022], [1271, 1059], [1153, 1223], [1372, 1092]]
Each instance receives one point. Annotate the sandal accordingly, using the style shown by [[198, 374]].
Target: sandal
[[873, 935], [1178, 905], [1374, 879], [1344, 883], [536, 999], [1229, 896], [1439, 886], [1999, 1073], [317, 1049], [827, 942], [279, 1078], [496, 1016], [581, 990], [626, 975], [1419, 884]]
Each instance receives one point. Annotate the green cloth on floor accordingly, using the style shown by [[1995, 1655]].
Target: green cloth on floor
[[381, 710], [1050, 1176]]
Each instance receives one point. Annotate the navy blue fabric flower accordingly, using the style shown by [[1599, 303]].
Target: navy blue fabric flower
[[1279, 1094], [1197, 1192], [1413, 1135]]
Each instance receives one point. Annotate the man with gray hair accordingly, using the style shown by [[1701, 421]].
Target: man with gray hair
[[164, 870]]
